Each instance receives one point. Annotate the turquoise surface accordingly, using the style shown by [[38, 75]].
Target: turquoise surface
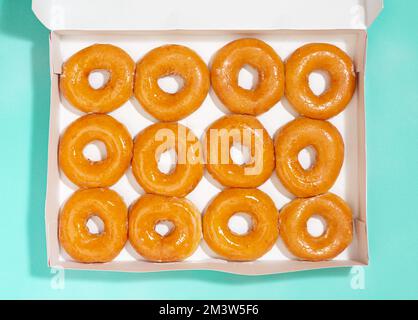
[[392, 140]]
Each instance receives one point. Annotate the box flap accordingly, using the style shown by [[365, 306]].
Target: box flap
[[198, 15]]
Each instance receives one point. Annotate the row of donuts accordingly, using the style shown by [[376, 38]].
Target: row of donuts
[[143, 154], [137, 224], [275, 79]]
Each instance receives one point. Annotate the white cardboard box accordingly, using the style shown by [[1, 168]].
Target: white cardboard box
[[139, 26]]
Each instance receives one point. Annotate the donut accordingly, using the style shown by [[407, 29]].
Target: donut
[[171, 60], [103, 173], [155, 140], [74, 80], [74, 235], [247, 131], [257, 241], [329, 146], [338, 234], [319, 57], [179, 243], [226, 66]]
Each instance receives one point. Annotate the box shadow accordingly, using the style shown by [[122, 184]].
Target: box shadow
[[16, 17]]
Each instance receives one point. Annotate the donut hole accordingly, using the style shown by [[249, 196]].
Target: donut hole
[[240, 154], [95, 151], [307, 157], [98, 78], [171, 83], [164, 227], [248, 77], [316, 226], [167, 161], [240, 223], [319, 82], [95, 225]]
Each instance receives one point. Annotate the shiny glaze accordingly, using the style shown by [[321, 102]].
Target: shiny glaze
[[84, 172], [75, 85], [252, 245], [152, 142], [314, 57], [337, 236], [179, 243], [165, 61], [228, 173], [74, 235], [226, 66], [329, 146]]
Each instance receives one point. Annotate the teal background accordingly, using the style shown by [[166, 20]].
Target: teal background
[[392, 140]]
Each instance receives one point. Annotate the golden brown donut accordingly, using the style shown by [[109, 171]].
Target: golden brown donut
[[252, 245], [155, 140], [166, 61], [226, 66], [329, 146], [84, 172], [74, 81], [315, 57], [76, 238], [249, 132], [336, 237], [179, 243]]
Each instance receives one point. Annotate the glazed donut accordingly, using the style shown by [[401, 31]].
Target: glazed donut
[[75, 237], [226, 66], [315, 57], [155, 140], [74, 81], [179, 243], [166, 61], [257, 241], [249, 132], [329, 146], [84, 172], [293, 219]]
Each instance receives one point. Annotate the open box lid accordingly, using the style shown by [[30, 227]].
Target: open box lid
[[210, 15]]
